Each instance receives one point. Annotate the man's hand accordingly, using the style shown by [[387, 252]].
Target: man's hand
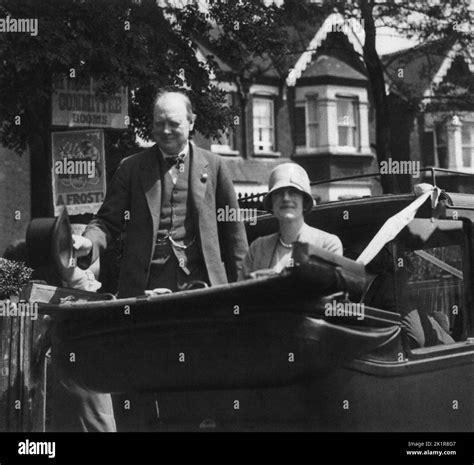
[[82, 246], [81, 279]]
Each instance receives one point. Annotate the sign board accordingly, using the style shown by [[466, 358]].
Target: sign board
[[78, 105], [78, 170]]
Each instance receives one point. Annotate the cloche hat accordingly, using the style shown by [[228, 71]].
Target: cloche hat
[[289, 175]]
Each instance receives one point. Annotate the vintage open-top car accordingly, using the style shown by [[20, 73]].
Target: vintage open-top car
[[303, 350]]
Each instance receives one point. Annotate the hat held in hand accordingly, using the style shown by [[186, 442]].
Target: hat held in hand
[[49, 242]]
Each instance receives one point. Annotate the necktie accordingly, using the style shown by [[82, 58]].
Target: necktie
[[177, 161]]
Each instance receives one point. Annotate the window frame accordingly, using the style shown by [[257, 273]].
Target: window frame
[[302, 104], [356, 124], [469, 123], [272, 148], [310, 124], [460, 347], [452, 126], [438, 126]]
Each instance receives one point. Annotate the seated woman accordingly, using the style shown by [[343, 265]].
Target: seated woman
[[288, 198]]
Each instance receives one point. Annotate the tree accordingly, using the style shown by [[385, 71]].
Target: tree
[[158, 48], [256, 36], [119, 42], [132, 43], [427, 21], [432, 22], [253, 39]]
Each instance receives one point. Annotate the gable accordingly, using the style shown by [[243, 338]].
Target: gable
[[418, 72]]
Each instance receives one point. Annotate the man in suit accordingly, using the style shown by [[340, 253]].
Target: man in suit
[[164, 200]]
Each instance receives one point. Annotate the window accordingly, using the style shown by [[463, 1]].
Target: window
[[422, 273], [307, 117], [468, 144], [300, 125], [263, 125], [313, 122], [430, 269], [441, 145], [454, 142], [347, 122]]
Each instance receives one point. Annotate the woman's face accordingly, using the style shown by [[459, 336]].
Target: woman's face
[[287, 204]]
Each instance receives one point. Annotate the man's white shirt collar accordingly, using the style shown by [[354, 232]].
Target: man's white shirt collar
[[173, 171], [184, 152]]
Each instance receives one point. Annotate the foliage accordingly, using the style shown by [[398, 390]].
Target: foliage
[[437, 26], [13, 276], [119, 42], [253, 38], [421, 269]]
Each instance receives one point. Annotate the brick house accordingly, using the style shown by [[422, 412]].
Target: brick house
[[320, 115], [317, 113], [439, 77]]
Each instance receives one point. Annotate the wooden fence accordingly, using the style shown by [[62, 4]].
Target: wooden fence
[[22, 375]]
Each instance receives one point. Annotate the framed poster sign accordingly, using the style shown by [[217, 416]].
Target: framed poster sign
[[78, 170]]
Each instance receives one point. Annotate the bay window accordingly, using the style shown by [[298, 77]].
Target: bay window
[[453, 139]]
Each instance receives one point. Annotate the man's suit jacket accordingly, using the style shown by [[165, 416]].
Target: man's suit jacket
[[135, 193]]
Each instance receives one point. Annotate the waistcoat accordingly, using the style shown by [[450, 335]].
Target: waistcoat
[[176, 221]]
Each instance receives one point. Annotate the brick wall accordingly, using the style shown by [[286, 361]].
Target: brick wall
[[15, 198]]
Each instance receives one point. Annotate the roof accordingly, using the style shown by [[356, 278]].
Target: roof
[[260, 65], [223, 66], [413, 72], [308, 40], [325, 65], [334, 23]]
